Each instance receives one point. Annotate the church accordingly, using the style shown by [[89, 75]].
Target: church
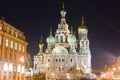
[[65, 51]]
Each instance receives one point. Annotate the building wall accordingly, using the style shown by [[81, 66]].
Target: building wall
[[12, 52]]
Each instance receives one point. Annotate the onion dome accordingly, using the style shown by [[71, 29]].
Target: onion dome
[[50, 39], [82, 28], [71, 39]]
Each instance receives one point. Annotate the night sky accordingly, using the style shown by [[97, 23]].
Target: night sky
[[35, 17]]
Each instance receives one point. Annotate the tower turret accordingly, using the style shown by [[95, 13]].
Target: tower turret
[[63, 31], [84, 49]]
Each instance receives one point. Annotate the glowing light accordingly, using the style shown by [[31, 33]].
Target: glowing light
[[22, 69], [119, 68], [22, 59], [114, 69], [5, 68], [18, 68], [53, 74], [68, 75], [10, 67]]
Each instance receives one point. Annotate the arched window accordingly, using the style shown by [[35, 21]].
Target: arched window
[[61, 39]]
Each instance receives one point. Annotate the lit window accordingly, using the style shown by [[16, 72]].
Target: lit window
[[0, 27], [6, 43], [10, 67], [19, 47], [0, 40], [15, 68], [16, 34], [15, 46], [22, 69], [23, 48], [18, 69], [5, 67], [11, 44], [22, 59], [12, 32]]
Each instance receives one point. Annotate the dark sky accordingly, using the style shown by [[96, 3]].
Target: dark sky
[[35, 17]]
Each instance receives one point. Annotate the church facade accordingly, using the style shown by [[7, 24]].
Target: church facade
[[65, 50]]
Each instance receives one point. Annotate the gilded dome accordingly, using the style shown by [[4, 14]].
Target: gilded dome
[[82, 27]]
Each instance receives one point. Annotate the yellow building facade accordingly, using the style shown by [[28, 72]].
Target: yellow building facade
[[13, 50]]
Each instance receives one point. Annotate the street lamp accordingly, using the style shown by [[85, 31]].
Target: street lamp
[[68, 76], [53, 75], [114, 69]]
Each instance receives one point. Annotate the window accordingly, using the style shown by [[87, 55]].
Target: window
[[10, 56], [19, 47], [5, 67], [0, 27], [14, 56], [6, 42], [10, 67], [12, 32], [16, 35], [62, 60], [15, 69], [56, 60], [48, 60], [59, 60], [23, 48], [71, 60], [5, 55], [18, 68], [11, 44], [15, 46]]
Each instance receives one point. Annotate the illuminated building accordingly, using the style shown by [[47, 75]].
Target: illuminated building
[[64, 50], [112, 71], [12, 52]]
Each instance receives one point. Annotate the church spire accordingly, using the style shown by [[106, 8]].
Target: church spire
[[63, 12], [63, 6], [41, 45], [83, 20], [50, 30], [41, 39], [71, 30]]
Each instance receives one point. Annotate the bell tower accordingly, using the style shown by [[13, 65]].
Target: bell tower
[[84, 49]]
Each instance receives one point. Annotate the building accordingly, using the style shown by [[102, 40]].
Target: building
[[64, 51], [12, 52], [112, 71]]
